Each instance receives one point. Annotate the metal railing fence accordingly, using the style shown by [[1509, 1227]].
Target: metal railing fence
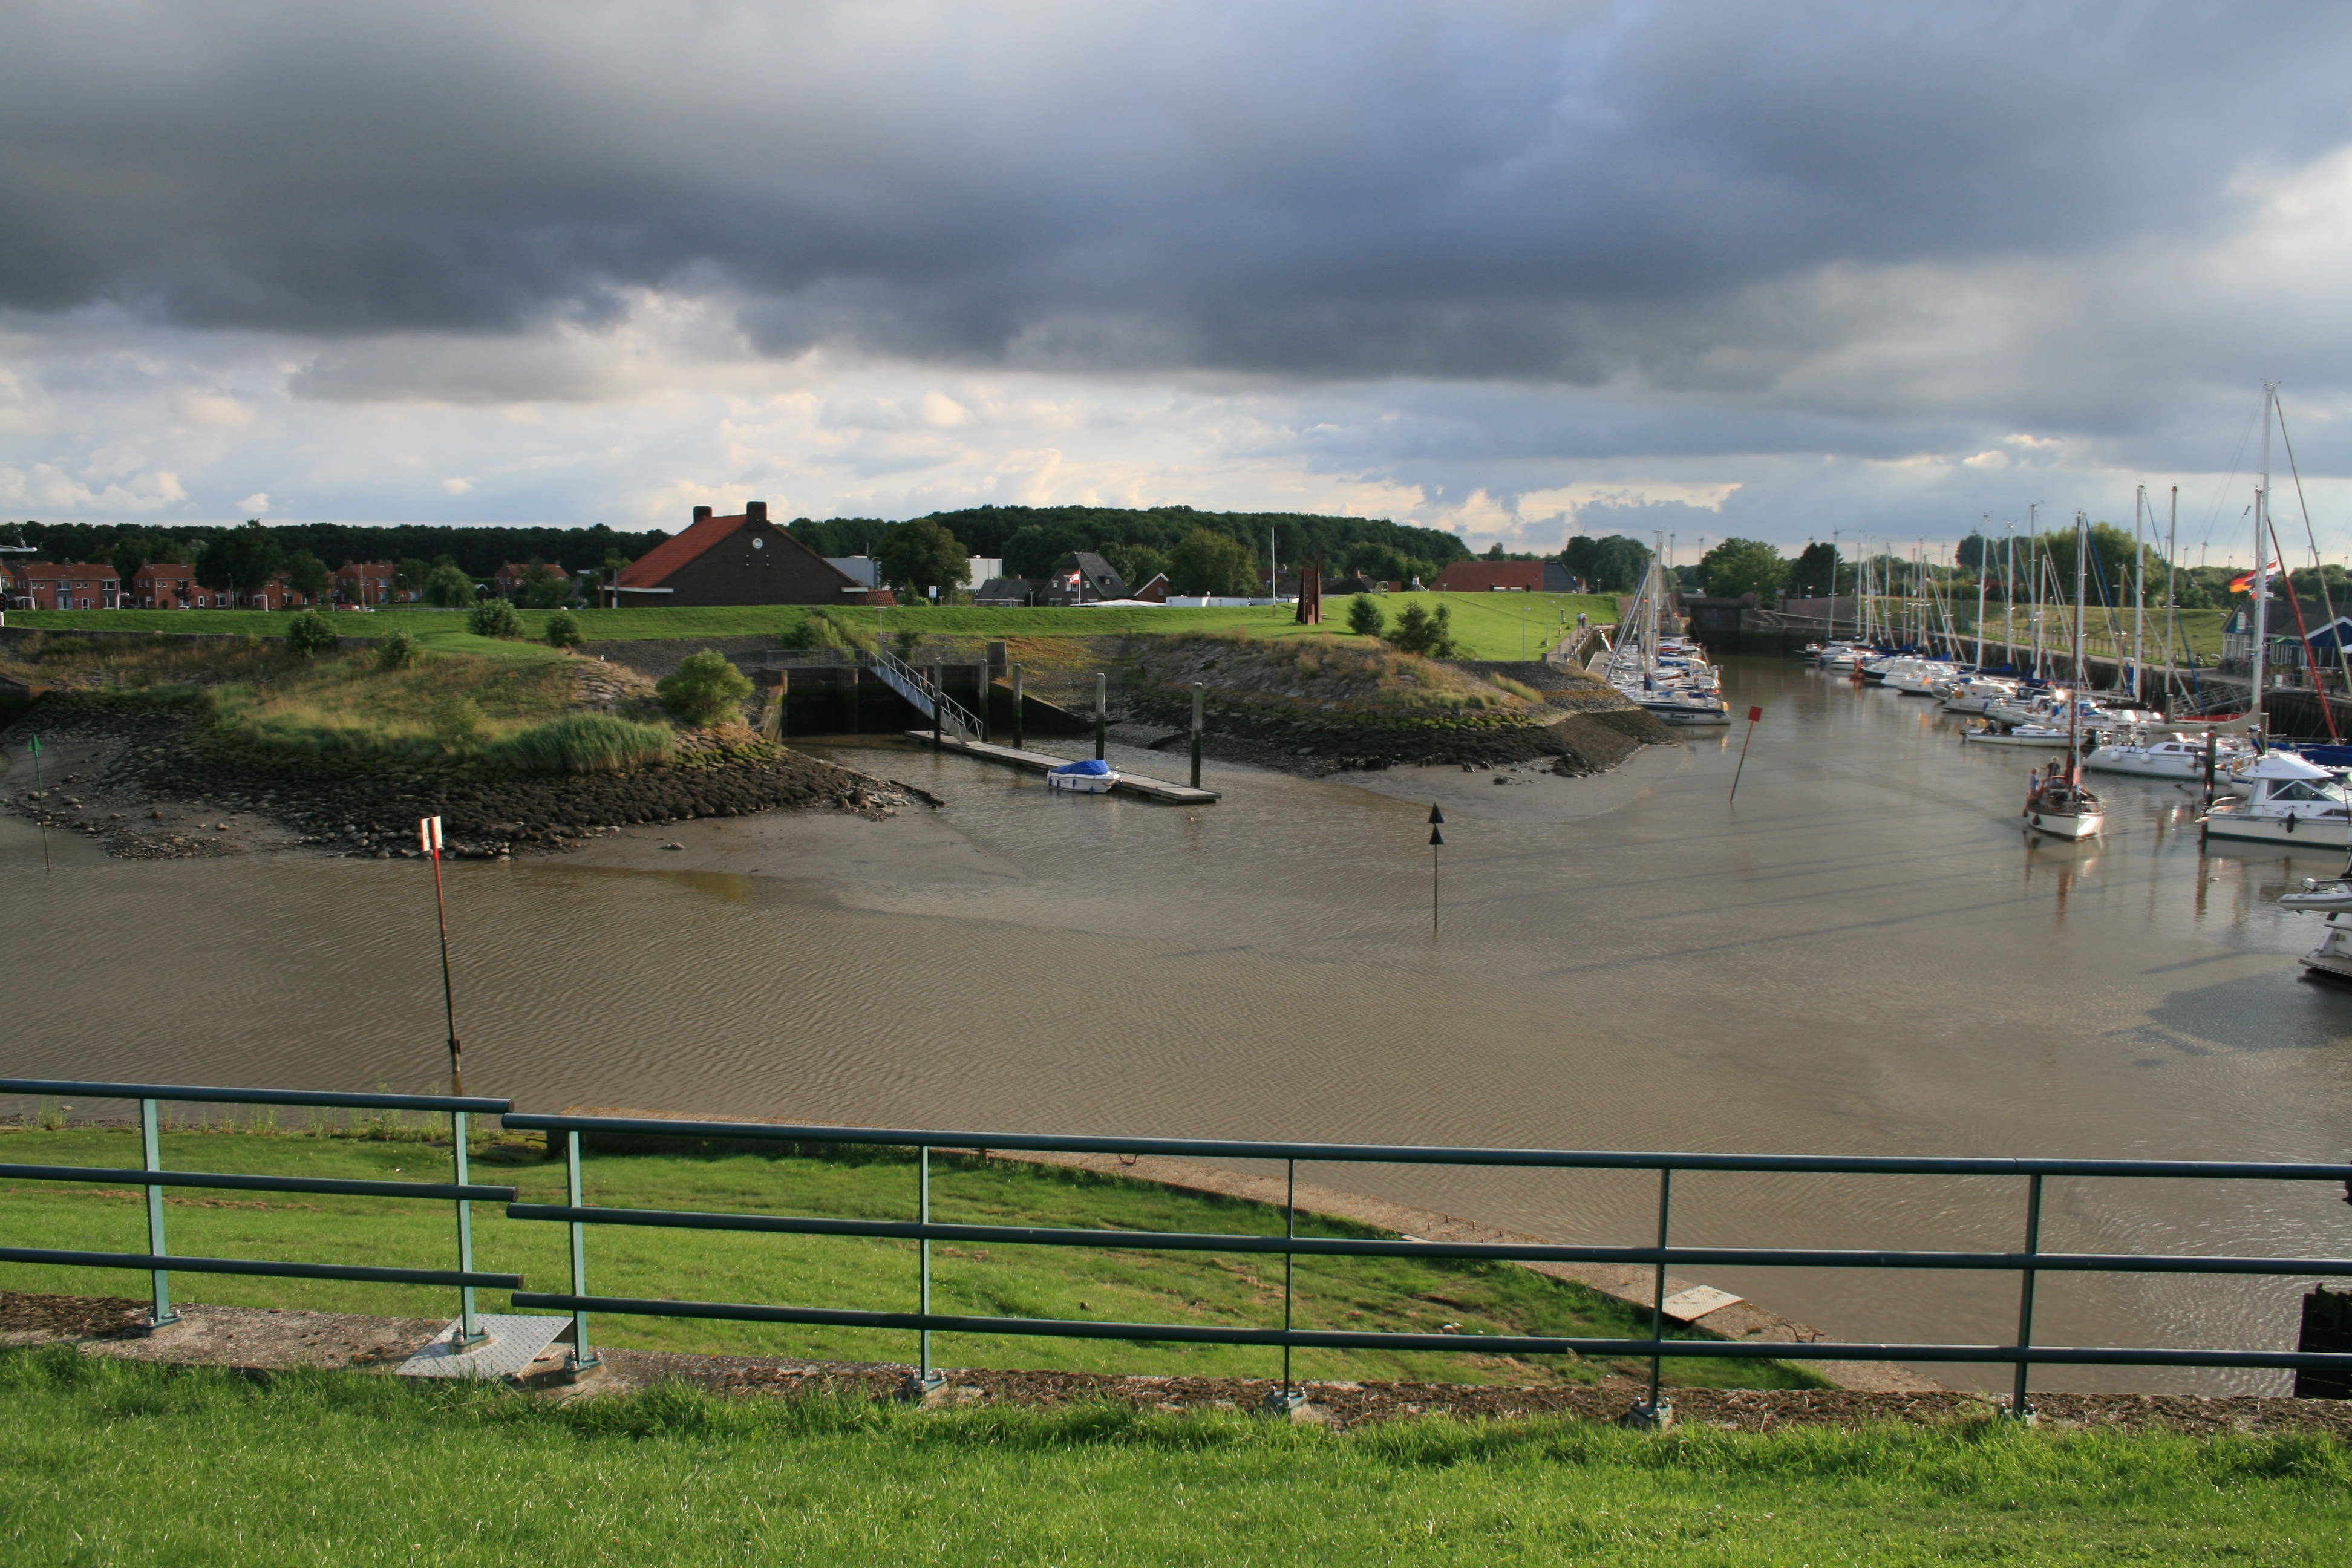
[[2028, 1262], [160, 1263]]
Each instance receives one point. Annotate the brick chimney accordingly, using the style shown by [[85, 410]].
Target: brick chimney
[[756, 510], [700, 513]]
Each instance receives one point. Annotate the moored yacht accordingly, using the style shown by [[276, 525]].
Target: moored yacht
[[2176, 756], [2289, 801]]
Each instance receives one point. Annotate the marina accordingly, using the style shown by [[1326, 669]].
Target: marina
[[1864, 956]]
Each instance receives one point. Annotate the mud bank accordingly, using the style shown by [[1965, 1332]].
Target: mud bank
[[137, 779]]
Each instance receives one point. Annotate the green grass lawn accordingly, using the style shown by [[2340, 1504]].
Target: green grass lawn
[[103, 1463], [1487, 626], [878, 1275]]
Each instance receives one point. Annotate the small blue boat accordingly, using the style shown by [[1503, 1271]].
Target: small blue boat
[[1089, 777]]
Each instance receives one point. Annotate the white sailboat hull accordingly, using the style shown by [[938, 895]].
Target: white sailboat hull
[[2332, 959], [2065, 825]]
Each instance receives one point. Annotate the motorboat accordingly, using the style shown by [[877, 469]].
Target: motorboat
[[1921, 679], [2059, 806], [2330, 898], [2289, 801], [1977, 693], [2332, 959], [2177, 757], [1092, 776]]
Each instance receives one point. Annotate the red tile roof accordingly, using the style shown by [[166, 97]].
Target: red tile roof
[[649, 570], [1484, 577]]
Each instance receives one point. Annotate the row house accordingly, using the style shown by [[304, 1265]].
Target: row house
[[366, 583], [515, 576], [168, 586], [62, 585]]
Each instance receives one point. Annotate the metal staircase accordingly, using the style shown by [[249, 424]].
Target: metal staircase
[[925, 694]]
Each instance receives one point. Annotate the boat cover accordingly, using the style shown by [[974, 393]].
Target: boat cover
[[1091, 768]]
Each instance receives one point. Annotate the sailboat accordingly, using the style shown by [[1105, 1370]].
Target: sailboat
[[2056, 803]]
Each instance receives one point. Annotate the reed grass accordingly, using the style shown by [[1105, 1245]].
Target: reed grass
[[584, 743]]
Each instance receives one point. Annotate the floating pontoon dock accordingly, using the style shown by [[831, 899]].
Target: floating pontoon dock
[[1039, 762]]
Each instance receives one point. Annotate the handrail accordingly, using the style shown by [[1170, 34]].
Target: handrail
[[2027, 1262], [159, 1263], [953, 716], [1432, 1155], [194, 1094]]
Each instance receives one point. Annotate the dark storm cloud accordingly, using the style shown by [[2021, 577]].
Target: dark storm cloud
[[1555, 192]]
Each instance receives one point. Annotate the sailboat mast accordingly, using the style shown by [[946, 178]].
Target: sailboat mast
[[1984, 543], [2139, 592], [2261, 584], [2171, 596], [2009, 601], [2033, 570], [2074, 698]]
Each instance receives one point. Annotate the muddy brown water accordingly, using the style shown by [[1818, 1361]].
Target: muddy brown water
[[1864, 956]]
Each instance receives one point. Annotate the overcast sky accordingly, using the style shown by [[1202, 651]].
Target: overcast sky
[[1520, 269]]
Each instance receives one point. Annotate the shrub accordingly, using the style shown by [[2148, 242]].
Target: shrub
[[1364, 617], [820, 629], [905, 641], [563, 630], [585, 743], [703, 689], [397, 651], [448, 587], [309, 633], [1418, 631], [456, 721], [494, 618]]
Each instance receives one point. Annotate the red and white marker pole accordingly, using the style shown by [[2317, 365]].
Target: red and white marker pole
[[428, 838], [1753, 714]]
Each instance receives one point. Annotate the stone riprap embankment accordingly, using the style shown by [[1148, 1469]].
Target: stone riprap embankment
[[139, 779]]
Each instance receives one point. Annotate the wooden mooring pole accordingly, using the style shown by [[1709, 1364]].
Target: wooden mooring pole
[[1196, 734]]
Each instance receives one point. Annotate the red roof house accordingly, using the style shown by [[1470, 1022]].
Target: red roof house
[[62, 585], [1491, 577], [740, 560]]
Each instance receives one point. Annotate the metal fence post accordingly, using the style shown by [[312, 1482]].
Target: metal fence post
[[152, 1147], [2018, 1408], [1655, 1411], [582, 1357], [923, 1160], [1289, 1259], [470, 1329]]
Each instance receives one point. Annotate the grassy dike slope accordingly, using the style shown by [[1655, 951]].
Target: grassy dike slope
[[103, 1462], [1487, 626], [1049, 1282]]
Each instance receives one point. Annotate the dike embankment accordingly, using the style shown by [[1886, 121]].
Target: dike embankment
[[1319, 706]]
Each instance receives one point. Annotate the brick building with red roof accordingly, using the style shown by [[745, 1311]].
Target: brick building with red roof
[[741, 559], [1491, 577]]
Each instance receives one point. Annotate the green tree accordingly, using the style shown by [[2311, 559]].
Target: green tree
[[132, 551], [447, 586], [1364, 616], [1739, 566], [547, 588], [408, 574], [309, 633], [704, 690], [494, 618], [1612, 563], [307, 575], [239, 560], [1419, 631], [563, 630], [1809, 575], [1378, 562], [1136, 563], [916, 557], [1212, 563]]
